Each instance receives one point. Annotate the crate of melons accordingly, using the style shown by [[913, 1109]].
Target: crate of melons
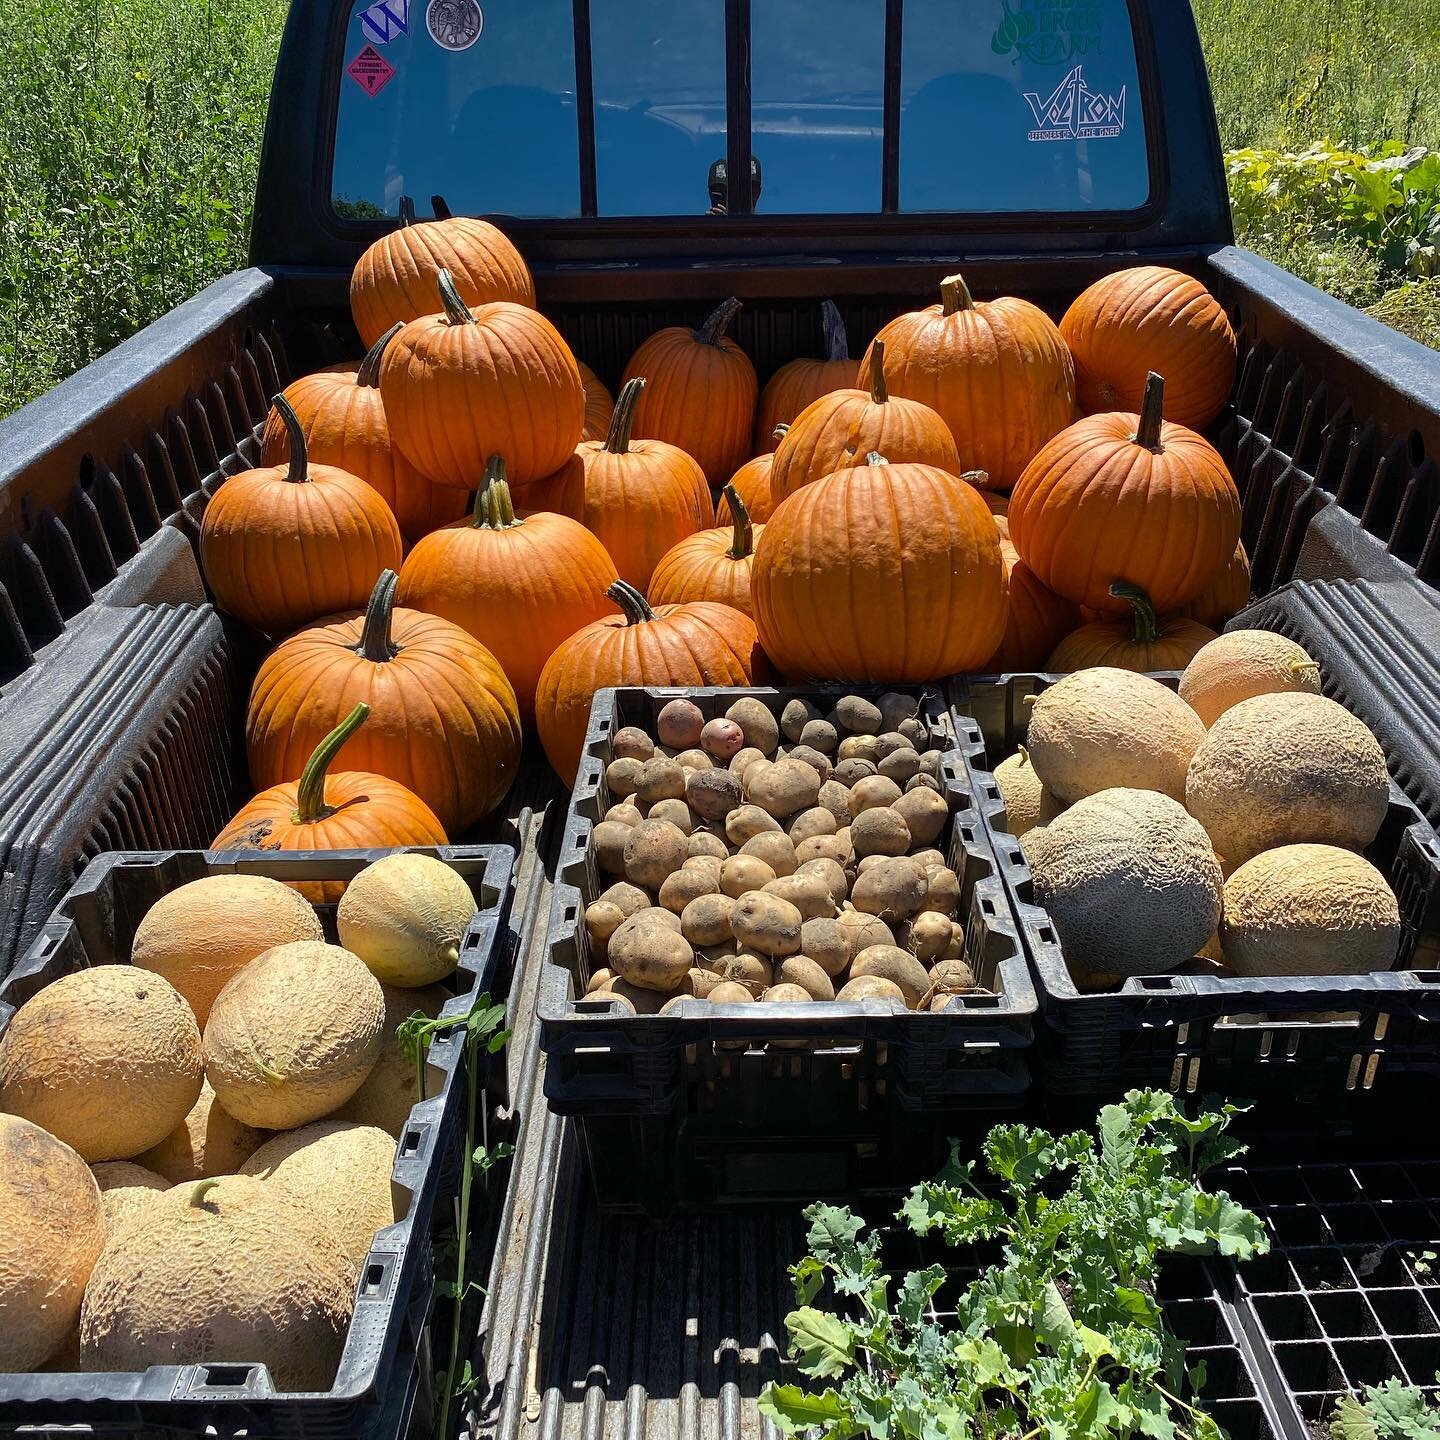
[[780, 953], [1220, 887], [220, 1180]]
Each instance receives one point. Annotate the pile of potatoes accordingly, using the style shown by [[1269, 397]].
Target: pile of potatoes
[[196, 1148], [783, 859]]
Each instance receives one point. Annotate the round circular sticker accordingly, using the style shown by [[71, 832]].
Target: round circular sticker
[[454, 24]]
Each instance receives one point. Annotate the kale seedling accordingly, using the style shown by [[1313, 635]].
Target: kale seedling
[[1391, 1411]]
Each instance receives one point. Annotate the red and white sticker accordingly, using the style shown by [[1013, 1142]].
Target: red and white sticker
[[371, 71]]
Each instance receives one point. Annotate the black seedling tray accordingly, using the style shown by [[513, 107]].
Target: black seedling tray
[[722, 1104], [386, 1360], [1356, 1042]]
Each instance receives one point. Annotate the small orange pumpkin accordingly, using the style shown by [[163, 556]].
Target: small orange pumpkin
[[599, 403], [1151, 318], [1038, 618], [394, 280], [1141, 643], [460, 387], [998, 373], [698, 643], [711, 565], [1127, 497], [700, 393], [1226, 595], [444, 720], [840, 429], [799, 382], [519, 586], [752, 480], [281, 547]]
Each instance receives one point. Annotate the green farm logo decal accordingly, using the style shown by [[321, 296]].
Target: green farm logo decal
[[1048, 32]]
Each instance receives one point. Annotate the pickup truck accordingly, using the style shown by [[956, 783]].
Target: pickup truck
[[650, 157]]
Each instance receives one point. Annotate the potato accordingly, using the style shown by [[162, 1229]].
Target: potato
[[761, 728], [776, 850], [851, 772], [835, 798], [653, 850], [871, 987], [875, 792], [622, 776], [673, 1004], [796, 715], [956, 950], [926, 937], [859, 715], [712, 794], [723, 739], [765, 923], [925, 813], [952, 975], [747, 822], [702, 982], [901, 766], [922, 781], [832, 873], [926, 858], [826, 847], [899, 966], [895, 889], [742, 760], [810, 977], [782, 788], [820, 735], [819, 763], [789, 994], [942, 890], [602, 920], [684, 886], [888, 743], [931, 762], [916, 731], [743, 873], [627, 898], [644, 1000], [742, 967], [660, 779], [815, 821], [729, 993], [823, 941], [677, 812], [627, 812], [652, 915], [707, 844], [609, 997], [679, 724], [710, 865], [651, 956], [859, 747], [632, 743], [706, 919], [895, 708], [607, 842], [693, 760], [600, 980], [809, 894], [879, 832], [869, 862]]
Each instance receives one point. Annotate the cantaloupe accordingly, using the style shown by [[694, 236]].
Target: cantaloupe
[[1129, 880], [339, 1169], [405, 916], [126, 1190], [52, 1229], [1027, 802], [1284, 770], [227, 1269], [294, 1035], [391, 1089], [107, 1060], [198, 936], [1102, 728], [1309, 910], [208, 1141], [1242, 665]]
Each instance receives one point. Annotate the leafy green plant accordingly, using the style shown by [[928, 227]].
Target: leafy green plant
[[1389, 1411], [1062, 1336]]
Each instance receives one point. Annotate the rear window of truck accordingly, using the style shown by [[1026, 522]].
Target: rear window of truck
[[966, 106]]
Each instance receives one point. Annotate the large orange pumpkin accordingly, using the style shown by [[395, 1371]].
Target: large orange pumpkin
[[711, 565], [1226, 595], [519, 586], [700, 392], [599, 403], [282, 546], [1142, 643], [394, 280], [881, 573], [443, 717], [752, 483], [1127, 497], [998, 373], [1038, 618], [1150, 318], [343, 418], [460, 387], [840, 429], [699, 643], [798, 382]]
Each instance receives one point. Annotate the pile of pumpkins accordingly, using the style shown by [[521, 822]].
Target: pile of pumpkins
[[463, 533]]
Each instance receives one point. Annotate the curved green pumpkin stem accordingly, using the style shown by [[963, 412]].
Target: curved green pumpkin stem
[[1144, 628], [714, 328], [201, 1189], [622, 418], [456, 310], [633, 605], [1152, 413], [743, 546], [494, 508], [299, 471], [368, 375], [874, 457], [407, 212], [375, 642], [832, 325], [310, 803], [878, 393], [1024, 754], [955, 295]]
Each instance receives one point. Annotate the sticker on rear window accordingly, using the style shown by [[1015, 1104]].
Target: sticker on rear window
[[454, 24], [1048, 32], [371, 71], [383, 22], [1073, 111]]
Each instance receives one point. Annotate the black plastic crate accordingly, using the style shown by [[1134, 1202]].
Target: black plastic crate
[[1354, 1038], [747, 1103], [386, 1361]]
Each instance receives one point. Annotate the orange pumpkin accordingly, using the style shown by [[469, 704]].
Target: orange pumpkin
[[798, 382], [700, 393], [599, 403], [711, 565], [460, 387], [1226, 595], [882, 573], [394, 280], [1150, 318], [1127, 497], [443, 723], [752, 480], [699, 643], [842, 428], [1141, 643], [282, 546], [1038, 618], [519, 586], [998, 373], [343, 418]]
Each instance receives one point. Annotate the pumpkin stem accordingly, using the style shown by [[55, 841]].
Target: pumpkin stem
[[375, 642], [781, 430], [1024, 754], [1144, 630], [874, 457], [978, 478], [494, 509], [878, 393], [955, 295], [832, 324], [299, 471], [634, 606], [720, 317], [407, 212], [1152, 413], [368, 376], [310, 803], [617, 441], [743, 545], [456, 310]]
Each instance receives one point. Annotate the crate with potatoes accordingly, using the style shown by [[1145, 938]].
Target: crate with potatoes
[[222, 1164], [1220, 886], [777, 925]]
